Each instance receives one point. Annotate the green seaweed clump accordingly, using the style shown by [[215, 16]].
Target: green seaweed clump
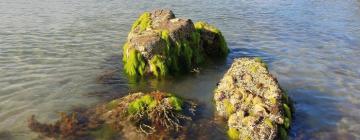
[[287, 108], [134, 63], [150, 101], [158, 66], [184, 54], [144, 21], [259, 60], [205, 27], [141, 104], [283, 134], [198, 53], [156, 110], [176, 103], [180, 57], [171, 53]]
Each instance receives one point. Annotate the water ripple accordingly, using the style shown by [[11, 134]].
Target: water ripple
[[52, 53]]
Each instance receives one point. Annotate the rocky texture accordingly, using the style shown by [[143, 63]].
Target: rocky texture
[[136, 116], [160, 44], [251, 100]]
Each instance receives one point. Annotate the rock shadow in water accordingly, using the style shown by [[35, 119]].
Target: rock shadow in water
[[312, 115]]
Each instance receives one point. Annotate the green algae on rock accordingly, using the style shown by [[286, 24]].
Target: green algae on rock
[[253, 103], [160, 44], [150, 112], [213, 42], [137, 115], [143, 22]]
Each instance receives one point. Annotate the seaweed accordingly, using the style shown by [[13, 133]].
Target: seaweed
[[283, 133], [157, 110], [287, 111], [143, 22], [158, 66], [68, 126], [287, 123], [134, 63], [198, 53], [176, 103], [201, 27], [172, 59], [141, 104]]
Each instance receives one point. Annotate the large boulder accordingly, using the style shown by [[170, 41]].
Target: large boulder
[[252, 101], [160, 44]]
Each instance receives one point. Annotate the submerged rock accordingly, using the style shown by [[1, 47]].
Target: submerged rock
[[136, 116], [160, 44], [149, 113], [69, 126], [253, 103]]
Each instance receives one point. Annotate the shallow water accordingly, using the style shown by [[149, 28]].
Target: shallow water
[[52, 53]]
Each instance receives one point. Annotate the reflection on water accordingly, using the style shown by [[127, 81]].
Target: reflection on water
[[52, 53]]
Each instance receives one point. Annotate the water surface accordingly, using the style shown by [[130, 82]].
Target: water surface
[[52, 53]]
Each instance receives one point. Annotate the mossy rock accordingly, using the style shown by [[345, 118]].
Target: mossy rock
[[136, 116], [150, 113], [160, 44], [250, 98]]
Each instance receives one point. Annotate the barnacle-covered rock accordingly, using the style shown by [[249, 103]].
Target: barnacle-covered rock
[[253, 103], [160, 44]]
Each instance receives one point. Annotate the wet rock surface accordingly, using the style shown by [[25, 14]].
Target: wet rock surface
[[252, 102], [160, 44]]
